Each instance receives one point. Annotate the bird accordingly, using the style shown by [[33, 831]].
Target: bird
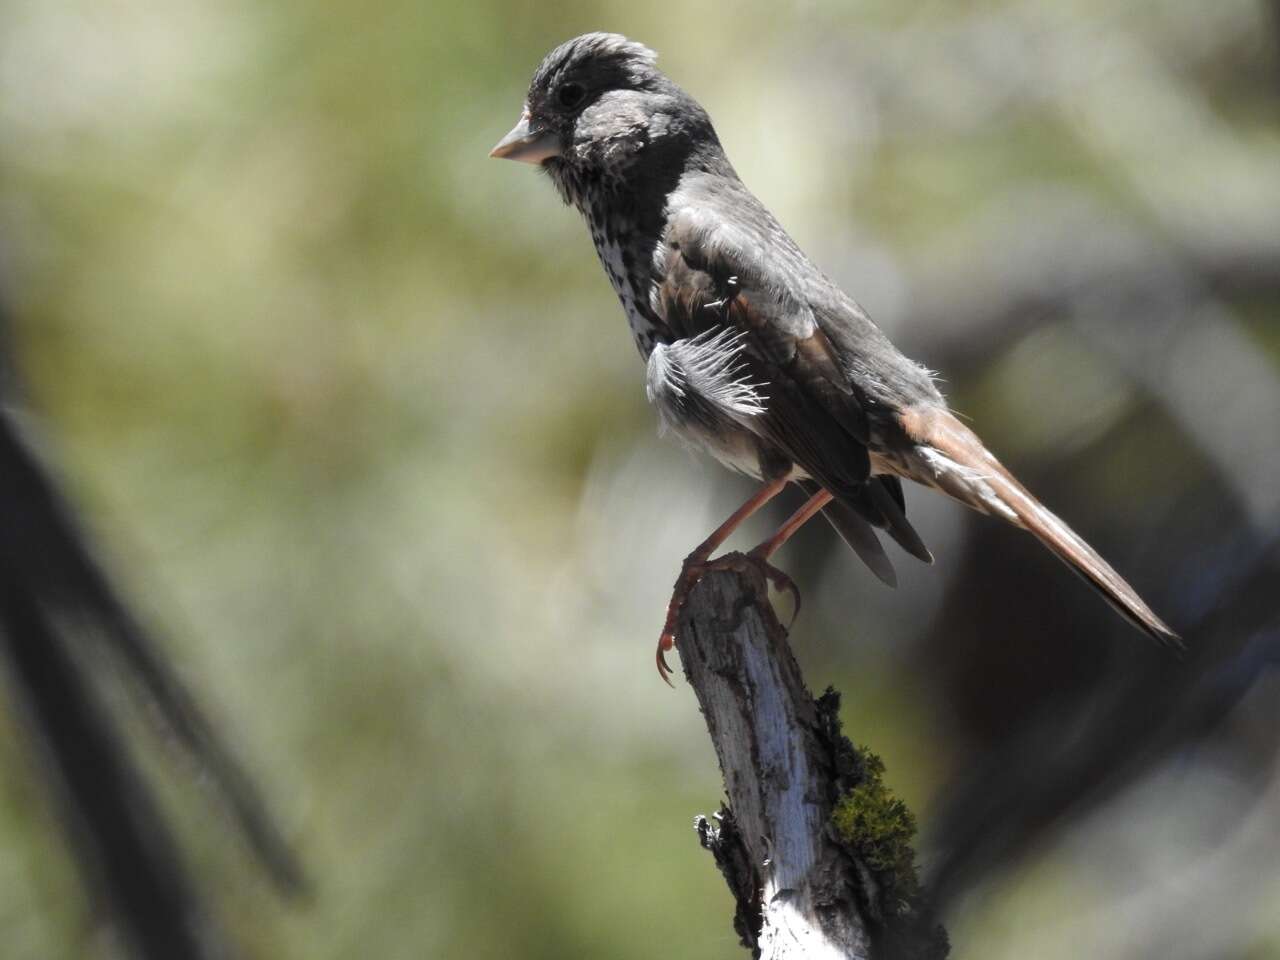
[[752, 353]]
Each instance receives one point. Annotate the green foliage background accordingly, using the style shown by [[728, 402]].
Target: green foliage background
[[354, 413]]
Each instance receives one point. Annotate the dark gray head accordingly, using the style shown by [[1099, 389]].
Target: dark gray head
[[596, 107]]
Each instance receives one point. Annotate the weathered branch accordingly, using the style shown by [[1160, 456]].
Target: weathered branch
[[815, 850]]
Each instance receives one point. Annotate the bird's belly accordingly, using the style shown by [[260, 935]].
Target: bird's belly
[[732, 445], [727, 441]]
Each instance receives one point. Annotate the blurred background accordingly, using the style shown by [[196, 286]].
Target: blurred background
[[353, 415]]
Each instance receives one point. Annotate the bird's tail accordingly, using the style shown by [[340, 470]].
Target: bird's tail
[[949, 456]]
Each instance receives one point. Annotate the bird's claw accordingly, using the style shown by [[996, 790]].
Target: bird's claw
[[781, 582], [665, 643], [694, 567]]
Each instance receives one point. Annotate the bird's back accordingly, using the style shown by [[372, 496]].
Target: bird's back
[[720, 216]]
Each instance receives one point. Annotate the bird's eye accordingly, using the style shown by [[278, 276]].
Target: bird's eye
[[571, 95]]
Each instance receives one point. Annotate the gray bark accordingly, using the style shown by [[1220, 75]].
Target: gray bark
[[799, 891]]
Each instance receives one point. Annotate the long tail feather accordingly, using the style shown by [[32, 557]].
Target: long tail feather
[[949, 456], [857, 532], [880, 491]]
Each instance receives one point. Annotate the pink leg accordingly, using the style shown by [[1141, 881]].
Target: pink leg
[[764, 551], [694, 563], [794, 523]]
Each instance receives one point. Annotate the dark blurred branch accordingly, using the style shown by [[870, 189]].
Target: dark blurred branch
[[44, 556], [803, 840], [1156, 312], [124, 843], [1018, 272], [62, 628]]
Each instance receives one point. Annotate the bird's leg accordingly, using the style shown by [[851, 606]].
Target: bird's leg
[[797, 520], [768, 548], [695, 562]]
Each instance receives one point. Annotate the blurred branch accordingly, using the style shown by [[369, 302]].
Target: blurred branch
[[62, 628], [1157, 313], [44, 556], [123, 843], [815, 850], [1016, 272]]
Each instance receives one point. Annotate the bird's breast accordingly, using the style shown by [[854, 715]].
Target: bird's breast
[[627, 263]]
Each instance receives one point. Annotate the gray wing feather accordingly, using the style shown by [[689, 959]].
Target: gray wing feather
[[703, 380], [858, 534]]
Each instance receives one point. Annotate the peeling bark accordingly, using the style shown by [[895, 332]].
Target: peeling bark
[[801, 889]]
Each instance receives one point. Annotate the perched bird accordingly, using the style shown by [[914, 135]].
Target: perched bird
[[753, 354]]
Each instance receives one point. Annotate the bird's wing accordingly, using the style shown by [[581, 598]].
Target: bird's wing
[[725, 262], [711, 279]]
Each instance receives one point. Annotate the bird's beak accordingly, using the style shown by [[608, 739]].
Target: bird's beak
[[528, 142]]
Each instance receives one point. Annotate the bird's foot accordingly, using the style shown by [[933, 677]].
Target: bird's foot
[[781, 582], [694, 569], [695, 565]]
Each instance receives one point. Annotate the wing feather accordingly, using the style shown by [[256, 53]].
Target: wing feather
[[745, 275]]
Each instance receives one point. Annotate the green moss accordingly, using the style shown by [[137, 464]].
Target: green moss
[[878, 828]]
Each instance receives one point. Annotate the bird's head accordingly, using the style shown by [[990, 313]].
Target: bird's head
[[596, 104]]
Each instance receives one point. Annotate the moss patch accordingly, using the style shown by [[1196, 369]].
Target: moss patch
[[878, 828]]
